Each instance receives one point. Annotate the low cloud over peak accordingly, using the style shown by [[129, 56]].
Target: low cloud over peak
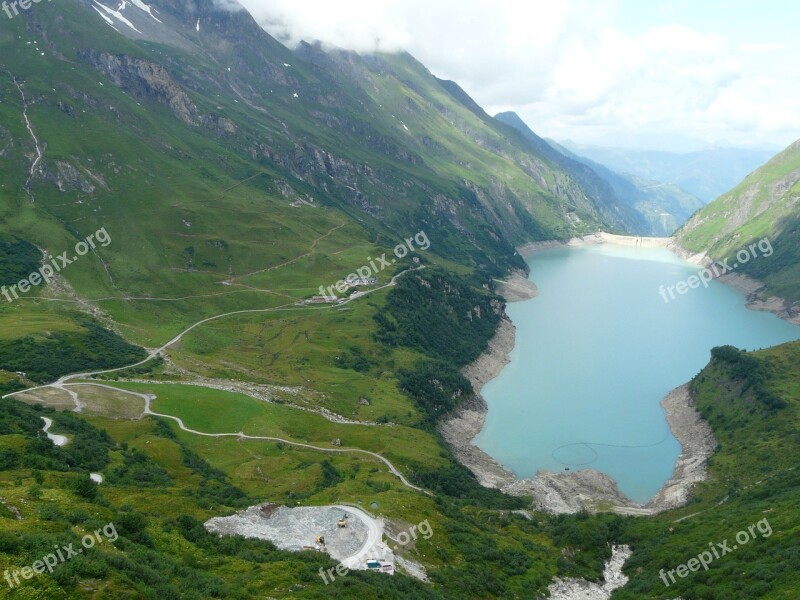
[[576, 69]]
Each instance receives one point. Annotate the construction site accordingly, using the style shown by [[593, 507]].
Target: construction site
[[347, 534]]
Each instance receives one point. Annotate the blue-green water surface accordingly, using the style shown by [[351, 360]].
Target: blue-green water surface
[[596, 352]]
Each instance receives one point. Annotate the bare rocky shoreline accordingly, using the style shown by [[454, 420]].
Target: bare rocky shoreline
[[587, 488], [753, 289]]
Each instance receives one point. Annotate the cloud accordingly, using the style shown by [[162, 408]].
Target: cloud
[[569, 67], [764, 47]]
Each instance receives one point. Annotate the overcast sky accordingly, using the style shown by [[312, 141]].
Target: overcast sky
[[663, 74]]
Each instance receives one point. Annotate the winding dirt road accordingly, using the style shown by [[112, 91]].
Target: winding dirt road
[[63, 382], [153, 353]]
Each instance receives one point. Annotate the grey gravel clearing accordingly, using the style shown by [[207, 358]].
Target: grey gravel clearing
[[296, 528]]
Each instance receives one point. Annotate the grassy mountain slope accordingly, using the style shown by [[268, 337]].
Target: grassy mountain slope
[[752, 402], [765, 204], [618, 208], [456, 138], [198, 132]]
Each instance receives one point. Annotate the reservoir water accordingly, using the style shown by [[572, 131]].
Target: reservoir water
[[596, 352]]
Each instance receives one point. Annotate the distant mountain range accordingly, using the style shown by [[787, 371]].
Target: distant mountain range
[[660, 208], [705, 174]]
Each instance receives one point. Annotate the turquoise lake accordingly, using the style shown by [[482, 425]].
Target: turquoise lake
[[597, 351]]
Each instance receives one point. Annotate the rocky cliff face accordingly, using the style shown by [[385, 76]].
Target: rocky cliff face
[[146, 80], [150, 81]]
